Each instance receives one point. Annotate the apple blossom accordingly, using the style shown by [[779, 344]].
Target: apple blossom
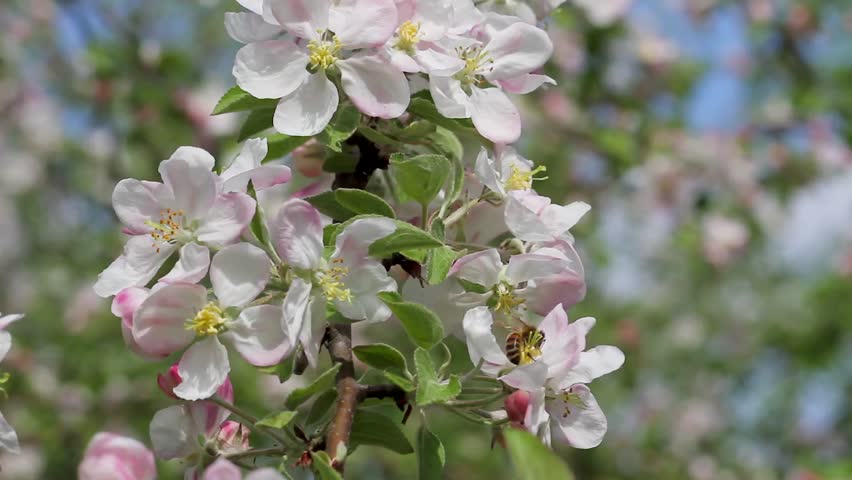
[[113, 457], [248, 166], [415, 47], [8, 436], [507, 171], [533, 218]]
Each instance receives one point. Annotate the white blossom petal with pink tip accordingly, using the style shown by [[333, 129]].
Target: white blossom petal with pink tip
[[377, 88], [173, 433], [239, 273], [192, 265], [135, 267], [494, 115], [353, 243], [482, 268], [517, 50], [113, 457], [481, 344], [204, 367], [188, 173], [246, 27], [578, 418], [271, 69], [159, 325], [363, 23], [307, 111], [297, 234], [222, 469], [258, 336], [228, 217], [302, 18]]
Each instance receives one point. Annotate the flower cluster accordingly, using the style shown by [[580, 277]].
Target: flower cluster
[[402, 222]]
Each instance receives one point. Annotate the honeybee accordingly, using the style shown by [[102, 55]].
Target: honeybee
[[523, 345]]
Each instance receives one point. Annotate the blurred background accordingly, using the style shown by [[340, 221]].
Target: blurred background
[[710, 136]]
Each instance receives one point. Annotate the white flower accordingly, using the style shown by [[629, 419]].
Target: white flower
[[414, 46], [533, 218], [507, 171], [8, 437]]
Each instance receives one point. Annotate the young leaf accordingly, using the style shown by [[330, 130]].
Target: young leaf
[[533, 460], [321, 409], [256, 122], [280, 145], [422, 325], [327, 204], [341, 127], [430, 456], [372, 428], [283, 370], [400, 381], [362, 202], [430, 389], [381, 357], [417, 129], [276, 420], [406, 237], [438, 263], [340, 163], [424, 108], [421, 178], [322, 464], [376, 136], [238, 100], [321, 384]]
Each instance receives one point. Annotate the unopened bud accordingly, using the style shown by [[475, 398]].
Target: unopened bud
[[169, 381], [309, 158], [516, 406], [233, 437]]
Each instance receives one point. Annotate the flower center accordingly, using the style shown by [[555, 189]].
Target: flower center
[[475, 60], [523, 346], [167, 229], [331, 282], [507, 300], [323, 53], [570, 400], [522, 179], [209, 320], [408, 36]]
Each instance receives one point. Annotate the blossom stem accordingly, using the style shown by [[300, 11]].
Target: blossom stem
[[258, 452], [251, 419], [476, 402]]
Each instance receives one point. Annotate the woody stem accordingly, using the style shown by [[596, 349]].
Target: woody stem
[[339, 344]]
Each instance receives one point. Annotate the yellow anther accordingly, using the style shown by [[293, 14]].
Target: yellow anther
[[475, 60], [531, 349], [323, 53], [331, 282], [167, 228], [408, 36], [208, 321], [507, 301], [523, 179]]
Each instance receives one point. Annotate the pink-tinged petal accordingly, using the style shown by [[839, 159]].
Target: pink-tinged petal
[[250, 157], [192, 265], [402, 61], [364, 282], [486, 172], [239, 273], [363, 23], [302, 18], [207, 417], [494, 115], [450, 99], [307, 111], [5, 343], [377, 88], [222, 469], [525, 83], [173, 434], [296, 308], [354, 241], [537, 419], [562, 343], [481, 344], [578, 418], [264, 474], [247, 166], [543, 294], [561, 218], [228, 218], [258, 336], [297, 234], [530, 377], [111, 456], [482, 268], [8, 437], [126, 302], [527, 266], [255, 6], [312, 330], [127, 336], [159, 325], [518, 49], [136, 266], [136, 202], [433, 17], [6, 320], [246, 27], [516, 406], [270, 69], [204, 368], [189, 175], [435, 62], [595, 362]]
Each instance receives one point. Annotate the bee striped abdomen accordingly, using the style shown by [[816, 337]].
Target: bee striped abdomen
[[523, 346]]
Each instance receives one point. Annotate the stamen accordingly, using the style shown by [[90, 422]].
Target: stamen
[[323, 53], [331, 282], [507, 301], [523, 180], [208, 321], [531, 347], [408, 36], [167, 229], [475, 60]]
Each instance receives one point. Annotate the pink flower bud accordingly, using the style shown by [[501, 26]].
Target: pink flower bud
[[233, 437], [309, 158], [113, 457], [169, 381], [516, 406]]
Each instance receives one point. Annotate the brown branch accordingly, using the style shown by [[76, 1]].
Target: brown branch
[[339, 344]]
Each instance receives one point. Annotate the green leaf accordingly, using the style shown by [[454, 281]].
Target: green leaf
[[362, 202], [376, 136], [406, 237], [256, 122], [283, 370], [327, 204], [238, 100], [438, 263], [532, 460], [430, 389], [323, 383], [430, 456], [381, 357], [420, 178], [446, 143], [341, 127], [321, 408], [424, 108], [417, 129], [340, 163], [258, 225], [422, 325], [322, 464], [276, 420], [400, 381], [280, 145], [329, 233], [372, 428]]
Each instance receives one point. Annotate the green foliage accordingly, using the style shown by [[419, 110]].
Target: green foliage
[[373, 428], [280, 145], [381, 357], [430, 388], [238, 100], [362, 202], [424, 108], [283, 370], [322, 465], [256, 122], [532, 460], [409, 240], [341, 127], [438, 263], [322, 384], [424, 328], [327, 204], [276, 420], [420, 178], [430, 456]]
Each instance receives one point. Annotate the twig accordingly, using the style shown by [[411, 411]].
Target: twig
[[339, 346]]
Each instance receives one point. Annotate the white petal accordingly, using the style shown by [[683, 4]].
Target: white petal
[[250, 157], [258, 336], [525, 83], [295, 311], [203, 368], [354, 241], [450, 99], [136, 266], [246, 27], [494, 115], [529, 377], [159, 325], [297, 234], [255, 6], [435, 62], [487, 172], [527, 266], [482, 268], [192, 265], [363, 23], [5, 343], [312, 330], [270, 69], [594, 363], [239, 273], [173, 435], [481, 344], [264, 474], [377, 88], [518, 49], [365, 281], [230, 215], [561, 218], [580, 423], [222, 469], [189, 175], [6, 320], [8, 437], [307, 111], [136, 202], [302, 18]]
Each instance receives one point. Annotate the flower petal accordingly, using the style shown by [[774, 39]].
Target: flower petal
[[222, 469], [173, 435], [188, 173], [258, 336], [295, 310], [376, 87], [354, 241], [192, 265], [528, 266], [529, 377], [123, 457], [364, 282], [307, 111], [203, 368], [595, 362], [482, 268], [126, 302], [518, 49], [486, 172], [8, 437], [525, 83], [159, 325], [239, 273], [302, 18], [264, 474], [136, 202], [580, 421], [246, 27], [5, 343], [494, 115], [297, 234], [543, 294], [247, 166], [136, 266], [481, 344], [270, 69], [450, 99], [230, 215], [363, 23]]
